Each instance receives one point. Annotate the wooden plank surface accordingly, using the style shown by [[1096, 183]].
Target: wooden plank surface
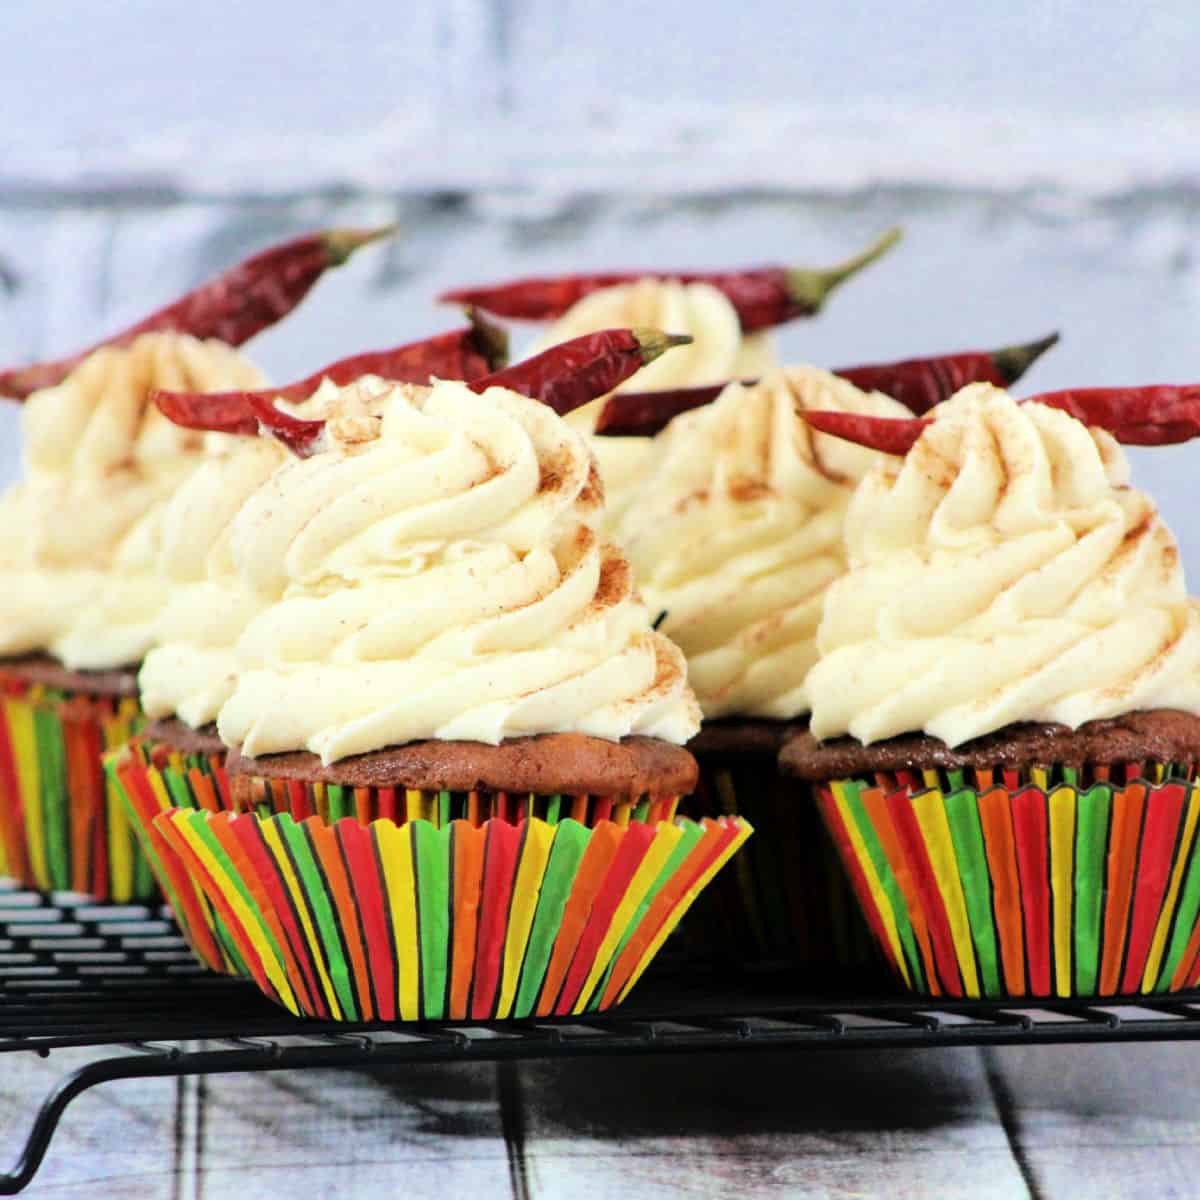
[[1049, 1122]]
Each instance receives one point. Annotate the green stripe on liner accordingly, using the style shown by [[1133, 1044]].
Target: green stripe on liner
[[316, 891], [431, 862], [692, 833], [340, 800], [178, 788], [955, 780], [1186, 911], [1071, 777], [52, 782], [966, 831], [197, 821], [640, 810], [570, 841], [444, 806], [853, 791], [553, 806], [1092, 810]]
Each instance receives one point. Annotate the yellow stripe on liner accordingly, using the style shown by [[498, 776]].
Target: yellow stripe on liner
[[395, 855], [246, 915], [1159, 941], [1062, 881], [665, 840], [935, 829], [874, 886], [686, 902], [527, 887], [283, 864], [20, 727]]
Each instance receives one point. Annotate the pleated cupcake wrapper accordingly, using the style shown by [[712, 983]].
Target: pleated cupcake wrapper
[[1054, 883], [150, 779], [786, 896], [387, 921], [62, 827]]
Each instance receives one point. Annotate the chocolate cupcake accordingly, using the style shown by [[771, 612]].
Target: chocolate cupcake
[[456, 741], [80, 534], [1004, 725], [734, 535]]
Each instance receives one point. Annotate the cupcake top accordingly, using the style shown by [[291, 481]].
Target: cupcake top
[[442, 578], [98, 461], [1004, 571], [720, 351], [736, 532]]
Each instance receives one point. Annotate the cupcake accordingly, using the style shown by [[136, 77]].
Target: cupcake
[[734, 535], [80, 541], [1005, 711], [80, 535], [455, 743]]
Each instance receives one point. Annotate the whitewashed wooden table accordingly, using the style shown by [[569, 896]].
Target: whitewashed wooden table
[[1109, 1121]]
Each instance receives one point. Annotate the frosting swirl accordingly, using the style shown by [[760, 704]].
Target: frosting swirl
[[736, 532], [720, 351], [1004, 571], [99, 460], [192, 670], [441, 577]]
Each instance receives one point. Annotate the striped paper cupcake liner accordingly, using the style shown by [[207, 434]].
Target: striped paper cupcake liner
[[786, 898], [1051, 883], [151, 778], [62, 827], [390, 920]]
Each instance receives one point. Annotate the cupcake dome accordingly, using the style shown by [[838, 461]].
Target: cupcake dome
[[1004, 571], [736, 532], [442, 578], [98, 461]]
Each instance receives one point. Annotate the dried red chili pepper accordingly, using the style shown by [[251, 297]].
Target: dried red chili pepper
[[923, 383], [233, 307], [891, 435], [563, 377], [763, 296], [473, 352], [1148, 416], [574, 373], [917, 383], [1112, 407]]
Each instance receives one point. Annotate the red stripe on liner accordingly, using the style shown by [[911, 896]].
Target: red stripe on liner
[[909, 832], [1032, 835], [1164, 810], [858, 880], [621, 871], [371, 902], [277, 910]]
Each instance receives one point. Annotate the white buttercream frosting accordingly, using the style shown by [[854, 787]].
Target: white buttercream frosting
[[441, 576], [1003, 571]]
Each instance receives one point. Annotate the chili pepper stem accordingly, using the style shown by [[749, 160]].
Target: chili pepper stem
[[811, 288], [1013, 361], [653, 342], [490, 338], [339, 244]]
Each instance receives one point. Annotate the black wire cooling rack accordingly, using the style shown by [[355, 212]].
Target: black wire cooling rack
[[119, 981]]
